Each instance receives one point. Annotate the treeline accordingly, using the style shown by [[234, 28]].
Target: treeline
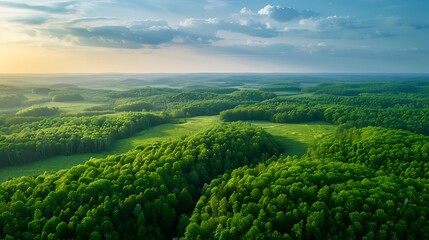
[[183, 102], [142, 92], [143, 194], [252, 95], [38, 111], [220, 90], [369, 100], [68, 135], [135, 106], [354, 89], [203, 108], [67, 97], [41, 90], [199, 103], [281, 87], [14, 100], [400, 116]]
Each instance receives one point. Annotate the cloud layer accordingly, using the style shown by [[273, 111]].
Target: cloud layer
[[267, 22], [299, 30]]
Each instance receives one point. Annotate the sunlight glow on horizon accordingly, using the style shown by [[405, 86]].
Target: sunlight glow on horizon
[[21, 59], [212, 36]]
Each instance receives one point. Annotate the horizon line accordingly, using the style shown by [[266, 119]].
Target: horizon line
[[184, 73]]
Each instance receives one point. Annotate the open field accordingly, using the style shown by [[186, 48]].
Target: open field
[[70, 107], [65, 107], [296, 138]]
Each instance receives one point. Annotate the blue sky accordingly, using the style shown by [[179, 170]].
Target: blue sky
[[214, 36]]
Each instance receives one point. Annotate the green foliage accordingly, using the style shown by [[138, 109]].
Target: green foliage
[[203, 108], [282, 113], [138, 194], [67, 97], [143, 92], [135, 106], [393, 151], [100, 108], [41, 91], [252, 95], [246, 113], [7, 101], [310, 199], [38, 111], [281, 88], [67, 135], [408, 112], [368, 180], [187, 96], [212, 90], [354, 89]]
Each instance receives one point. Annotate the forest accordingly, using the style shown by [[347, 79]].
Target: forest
[[368, 178]]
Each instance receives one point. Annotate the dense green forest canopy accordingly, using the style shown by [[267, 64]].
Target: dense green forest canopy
[[367, 180], [142, 193]]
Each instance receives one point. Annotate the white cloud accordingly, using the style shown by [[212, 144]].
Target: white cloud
[[189, 22], [192, 22], [246, 11], [332, 23], [266, 10], [284, 14], [321, 44]]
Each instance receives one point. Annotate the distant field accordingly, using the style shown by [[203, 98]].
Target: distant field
[[65, 107], [296, 138], [70, 107]]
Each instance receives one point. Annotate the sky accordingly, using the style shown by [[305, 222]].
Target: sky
[[166, 36]]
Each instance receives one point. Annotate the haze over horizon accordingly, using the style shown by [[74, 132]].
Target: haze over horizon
[[357, 36]]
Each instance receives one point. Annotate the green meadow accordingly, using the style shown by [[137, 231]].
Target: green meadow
[[295, 138]]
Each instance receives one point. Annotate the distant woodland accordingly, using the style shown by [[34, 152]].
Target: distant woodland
[[369, 179]]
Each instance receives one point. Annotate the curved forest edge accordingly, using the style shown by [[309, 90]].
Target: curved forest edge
[[165, 177], [295, 139]]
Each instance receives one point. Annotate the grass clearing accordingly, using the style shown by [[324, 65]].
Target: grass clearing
[[295, 137], [165, 132], [70, 107], [65, 107]]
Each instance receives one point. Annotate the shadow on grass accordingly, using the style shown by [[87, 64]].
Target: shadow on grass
[[292, 147]]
